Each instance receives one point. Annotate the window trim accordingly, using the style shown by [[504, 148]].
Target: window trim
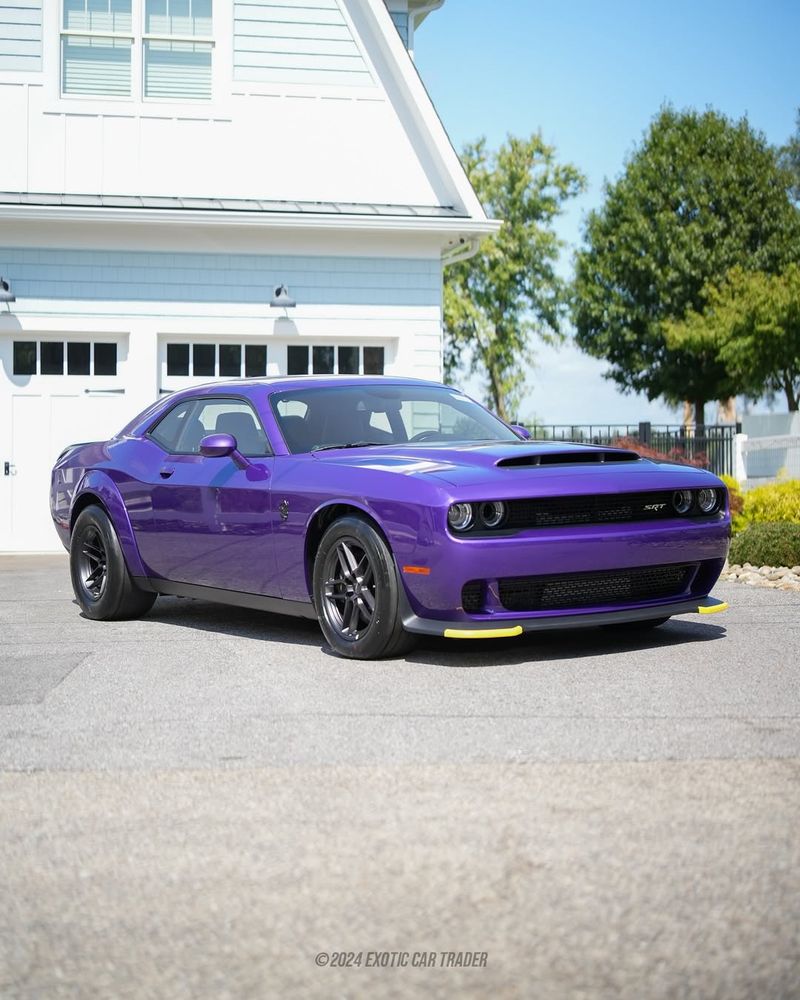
[[138, 36], [148, 433]]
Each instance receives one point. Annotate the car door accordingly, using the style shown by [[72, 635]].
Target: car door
[[210, 521]]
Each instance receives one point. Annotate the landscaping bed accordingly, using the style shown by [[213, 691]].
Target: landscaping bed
[[776, 577]]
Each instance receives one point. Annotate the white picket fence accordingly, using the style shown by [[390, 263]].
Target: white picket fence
[[761, 460]]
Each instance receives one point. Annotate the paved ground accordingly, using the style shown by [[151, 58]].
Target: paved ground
[[197, 804]]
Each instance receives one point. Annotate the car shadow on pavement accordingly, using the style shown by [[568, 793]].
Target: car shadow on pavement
[[538, 647], [225, 619], [532, 647]]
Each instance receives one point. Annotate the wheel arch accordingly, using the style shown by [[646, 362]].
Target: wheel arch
[[319, 523], [98, 488]]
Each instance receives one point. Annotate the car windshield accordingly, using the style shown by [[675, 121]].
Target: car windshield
[[350, 416]]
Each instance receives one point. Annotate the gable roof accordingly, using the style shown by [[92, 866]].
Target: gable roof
[[291, 153]]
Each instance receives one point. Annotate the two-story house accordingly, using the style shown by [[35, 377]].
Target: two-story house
[[201, 189]]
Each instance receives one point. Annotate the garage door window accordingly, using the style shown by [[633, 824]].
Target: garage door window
[[212, 360], [48, 357], [330, 360]]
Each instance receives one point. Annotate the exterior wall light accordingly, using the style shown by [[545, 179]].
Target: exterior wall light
[[6, 295], [282, 299]]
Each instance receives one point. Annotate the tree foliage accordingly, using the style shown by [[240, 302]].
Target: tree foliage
[[790, 161], [751, 323], [495, 300], [700, 196]]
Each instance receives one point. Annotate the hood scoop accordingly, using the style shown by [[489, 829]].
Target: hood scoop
[[588, 457]]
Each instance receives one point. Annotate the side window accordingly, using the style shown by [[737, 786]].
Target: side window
[[232, 416], [170, 429], [182, 429]]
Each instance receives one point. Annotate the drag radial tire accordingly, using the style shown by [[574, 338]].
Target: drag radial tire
[[101, 581], [357, 593]]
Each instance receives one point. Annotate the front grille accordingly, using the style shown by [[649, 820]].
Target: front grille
[[472, 596], [604, 508], [583, 590]]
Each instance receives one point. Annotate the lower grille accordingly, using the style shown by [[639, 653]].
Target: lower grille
[[472, 597], [583, 590]]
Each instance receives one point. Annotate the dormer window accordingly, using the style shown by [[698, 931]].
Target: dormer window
[[177, 49], [96, 44], [158, 49]]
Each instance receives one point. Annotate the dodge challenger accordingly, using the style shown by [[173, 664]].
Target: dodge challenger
[[386, 508]]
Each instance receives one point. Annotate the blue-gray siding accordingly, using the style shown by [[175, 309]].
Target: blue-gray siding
[[224, 278], [21, 35], [401, 23], [296, 41]]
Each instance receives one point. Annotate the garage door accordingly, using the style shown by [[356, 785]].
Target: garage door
[[59, 393], [41, 427]]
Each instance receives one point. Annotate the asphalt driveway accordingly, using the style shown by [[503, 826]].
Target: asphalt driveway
[[202, 802]]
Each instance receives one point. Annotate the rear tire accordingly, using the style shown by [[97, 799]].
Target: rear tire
[[101, 581], [357, 593]]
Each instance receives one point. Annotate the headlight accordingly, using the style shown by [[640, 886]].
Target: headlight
[[707, 500], [492, 513], [682, 500], [459, 516]]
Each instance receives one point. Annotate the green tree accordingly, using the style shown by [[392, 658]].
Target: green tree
[[790, 161], [701, 195], [510, 289], [752, 324]]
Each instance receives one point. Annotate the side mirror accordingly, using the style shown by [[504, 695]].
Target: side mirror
[[217, 445], [521, 431], [222, 445]]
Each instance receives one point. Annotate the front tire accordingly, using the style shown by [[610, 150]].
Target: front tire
[[357, 593], [101, 581]]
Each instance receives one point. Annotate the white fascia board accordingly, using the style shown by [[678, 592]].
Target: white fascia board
[[164, 217], [439, 148]]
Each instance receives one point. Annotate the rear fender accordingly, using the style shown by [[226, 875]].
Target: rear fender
[[101, 486]]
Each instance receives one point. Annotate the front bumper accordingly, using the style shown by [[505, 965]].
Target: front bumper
[[507, 628]]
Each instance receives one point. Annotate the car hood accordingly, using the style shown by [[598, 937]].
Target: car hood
[[513, 469]]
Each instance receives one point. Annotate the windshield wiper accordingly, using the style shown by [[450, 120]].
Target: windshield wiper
[[350, 444]]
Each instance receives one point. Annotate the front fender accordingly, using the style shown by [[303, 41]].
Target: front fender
[[101, 485]]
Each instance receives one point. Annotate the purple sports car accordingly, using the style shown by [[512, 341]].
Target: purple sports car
[[386, 508]]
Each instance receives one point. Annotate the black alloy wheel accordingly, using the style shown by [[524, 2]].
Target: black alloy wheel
[[92, 563], [100, 579], [357, 593], [349, 589]]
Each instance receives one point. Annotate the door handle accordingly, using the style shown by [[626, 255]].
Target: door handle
[[9, 469], [165, 472]]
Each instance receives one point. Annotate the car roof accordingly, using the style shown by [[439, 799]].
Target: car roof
[[306, 381], [250, 386]]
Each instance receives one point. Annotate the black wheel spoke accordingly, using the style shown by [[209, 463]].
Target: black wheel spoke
[[349, 589], [93, 563]]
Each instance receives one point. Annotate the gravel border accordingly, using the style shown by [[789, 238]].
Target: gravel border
[[776, 577]]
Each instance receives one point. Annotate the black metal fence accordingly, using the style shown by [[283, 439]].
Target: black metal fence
[[711, 446]]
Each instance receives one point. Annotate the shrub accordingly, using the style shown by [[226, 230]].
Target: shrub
[[780, 502], [699, 461], [736, 501], [767, 544]]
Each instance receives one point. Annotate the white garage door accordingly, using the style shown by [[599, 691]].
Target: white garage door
[[41, 427], [59, 392]]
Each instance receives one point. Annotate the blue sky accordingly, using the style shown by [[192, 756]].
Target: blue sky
[[590, 76]]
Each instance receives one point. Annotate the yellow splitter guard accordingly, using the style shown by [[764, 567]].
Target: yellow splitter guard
[[708, 606]]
